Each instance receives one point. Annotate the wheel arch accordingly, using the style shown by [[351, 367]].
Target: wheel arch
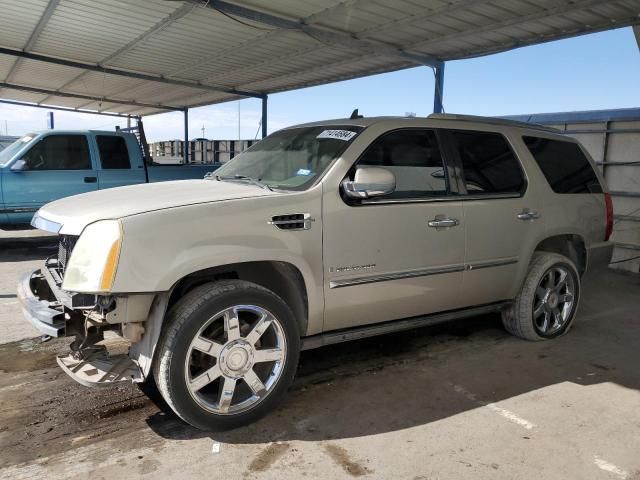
[[282, 278], [570, 245]]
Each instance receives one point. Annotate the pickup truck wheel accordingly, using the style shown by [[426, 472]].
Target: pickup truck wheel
[[227, 355], [547, 304]]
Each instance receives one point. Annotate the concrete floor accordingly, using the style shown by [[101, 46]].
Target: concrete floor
[[463, 400], [20, 252]]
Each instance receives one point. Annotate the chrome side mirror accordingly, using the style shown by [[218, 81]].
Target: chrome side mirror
[[19, 166], [369, 182]]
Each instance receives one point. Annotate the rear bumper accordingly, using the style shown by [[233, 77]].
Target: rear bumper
[[39, 306], [599, 256]]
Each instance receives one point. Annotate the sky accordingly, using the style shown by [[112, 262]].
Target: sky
[[597, 71]]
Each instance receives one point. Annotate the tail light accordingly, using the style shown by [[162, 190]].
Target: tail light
[[609, 207]]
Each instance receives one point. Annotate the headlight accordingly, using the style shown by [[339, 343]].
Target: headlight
[[94, 259]]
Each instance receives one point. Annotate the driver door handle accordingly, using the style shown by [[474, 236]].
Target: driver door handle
[[90, 179], [527, 214], [443, 222]]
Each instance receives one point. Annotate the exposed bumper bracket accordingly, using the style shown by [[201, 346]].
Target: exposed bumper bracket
[[46, 316], [100, 369]]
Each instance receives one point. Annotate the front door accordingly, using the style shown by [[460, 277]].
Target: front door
[[56, 166], [400, 255]]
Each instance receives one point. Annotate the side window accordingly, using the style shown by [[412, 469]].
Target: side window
[[564, 165], [413, 156], [59, 152], [489, 165], [113, 152]]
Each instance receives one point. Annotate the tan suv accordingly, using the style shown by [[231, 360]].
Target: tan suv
[[321, 233]]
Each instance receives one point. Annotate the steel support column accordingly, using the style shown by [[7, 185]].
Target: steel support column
[[264, 116], [439, 88], [186, 136]]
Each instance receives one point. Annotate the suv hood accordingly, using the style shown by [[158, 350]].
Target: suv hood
[[70, 215]]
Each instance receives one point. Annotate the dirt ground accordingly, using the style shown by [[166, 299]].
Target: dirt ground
[[462, 400]]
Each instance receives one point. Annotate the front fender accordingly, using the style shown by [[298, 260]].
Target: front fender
[[160, 248]]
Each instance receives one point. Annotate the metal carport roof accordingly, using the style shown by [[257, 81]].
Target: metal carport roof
[[148, 56]]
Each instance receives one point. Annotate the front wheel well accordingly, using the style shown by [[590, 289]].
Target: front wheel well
[[569, 245], [282, 278]]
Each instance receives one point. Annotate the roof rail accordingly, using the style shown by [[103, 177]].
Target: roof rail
[[492, 121]]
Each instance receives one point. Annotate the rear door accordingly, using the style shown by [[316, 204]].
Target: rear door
[[58, 165], [115, 154], [501, 213]]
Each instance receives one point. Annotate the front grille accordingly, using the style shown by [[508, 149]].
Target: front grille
[[65, 247]]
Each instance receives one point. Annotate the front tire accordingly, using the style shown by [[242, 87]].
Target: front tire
[[548, 301], [227, 355]]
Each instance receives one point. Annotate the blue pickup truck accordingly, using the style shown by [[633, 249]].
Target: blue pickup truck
[[41, 167]]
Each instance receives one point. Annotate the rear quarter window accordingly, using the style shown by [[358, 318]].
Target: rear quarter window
[[564, 165], [113, 152]]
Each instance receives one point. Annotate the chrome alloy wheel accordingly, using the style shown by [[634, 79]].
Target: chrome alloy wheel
[[235, 359], [554, 300]]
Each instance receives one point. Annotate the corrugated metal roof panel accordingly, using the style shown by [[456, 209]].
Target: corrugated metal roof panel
[[188, 42]]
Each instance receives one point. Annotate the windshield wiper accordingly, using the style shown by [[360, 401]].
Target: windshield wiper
[[257, 183]]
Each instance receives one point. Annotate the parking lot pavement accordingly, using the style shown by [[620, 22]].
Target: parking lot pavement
[[20, 252], [462, 400]]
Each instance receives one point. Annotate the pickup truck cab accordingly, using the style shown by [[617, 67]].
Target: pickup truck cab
[[320, 233], [41, 167]]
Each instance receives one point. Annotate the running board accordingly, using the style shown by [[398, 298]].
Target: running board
[[339, 336], [100, 369]]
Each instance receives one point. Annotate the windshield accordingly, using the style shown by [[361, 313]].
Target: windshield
[[290, 159], [8, 153]]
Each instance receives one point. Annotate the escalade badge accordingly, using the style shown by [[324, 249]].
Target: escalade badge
[[351, 268]]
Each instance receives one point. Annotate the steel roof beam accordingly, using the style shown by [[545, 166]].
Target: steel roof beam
[[516, 20], [227, 52], [67, 109], [333, 10], [45, 91], [537, 40], [125, 73], [323, 35], [33, 38], [224, 53], [162, 24], [431, 14]]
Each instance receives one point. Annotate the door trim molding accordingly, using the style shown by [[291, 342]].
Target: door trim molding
[[461, 267], [20, 210]]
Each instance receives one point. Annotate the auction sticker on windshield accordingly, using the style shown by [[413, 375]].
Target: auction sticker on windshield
[[345, 135]]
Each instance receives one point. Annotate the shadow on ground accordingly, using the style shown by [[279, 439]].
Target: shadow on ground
[[350, 390]]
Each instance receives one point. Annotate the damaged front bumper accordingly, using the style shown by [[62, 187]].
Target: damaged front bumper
[[57, 313], [40, 306]]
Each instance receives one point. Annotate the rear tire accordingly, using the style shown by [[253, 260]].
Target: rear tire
[[548, 301], [227, 354]]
